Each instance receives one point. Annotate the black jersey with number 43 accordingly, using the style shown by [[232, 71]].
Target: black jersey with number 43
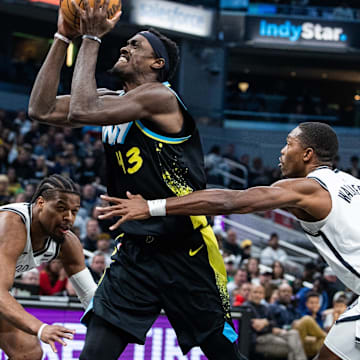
[[145, 161]]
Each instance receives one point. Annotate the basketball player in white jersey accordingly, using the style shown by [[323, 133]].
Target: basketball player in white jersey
[[325, 201], [30, 234]]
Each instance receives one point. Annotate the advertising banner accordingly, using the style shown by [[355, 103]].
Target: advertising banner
[[316, 34], [161, 342], [173, 16]]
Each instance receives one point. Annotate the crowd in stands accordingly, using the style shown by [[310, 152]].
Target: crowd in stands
[[253, 170], [290, 317]]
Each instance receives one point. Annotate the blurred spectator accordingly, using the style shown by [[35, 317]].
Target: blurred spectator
[[241, 294], [214, 163], [63, 166], [253, 270], [89, 197], [3, 159], [312, 307], [231, 246], [230, 267], [92, 233], [22, 122], [339, 306], [32, 136], [4, 190], [267, 340], [53, 278], [310, 269], [245, 249], [230, 152], [57, 144], [272, 252], [103, 244], [29, 191], [41, 170], [88, 171], [42, 147], [354, 170], [97, 265], [331, 283], [318, 287], [258, 174], [23, 164], [278, 273], [343, 12], [28, 284], [31, 277], [85, 145], [265, 279], [240, 277], [283, 311]]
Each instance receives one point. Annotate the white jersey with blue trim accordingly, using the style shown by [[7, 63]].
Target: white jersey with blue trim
[[30, 259], [337, 237]]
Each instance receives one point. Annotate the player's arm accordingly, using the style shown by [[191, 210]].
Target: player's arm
[[44, 105], [151, 101], [305, 194], [72, 258], [12, 244]]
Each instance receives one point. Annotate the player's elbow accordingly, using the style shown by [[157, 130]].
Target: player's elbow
[[77, 118]]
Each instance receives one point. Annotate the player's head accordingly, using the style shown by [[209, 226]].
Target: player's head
[[309, 145], [57, 202], [148, 53]]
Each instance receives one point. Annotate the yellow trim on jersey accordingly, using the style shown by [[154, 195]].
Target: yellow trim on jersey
[[158, 137], [216, 261]]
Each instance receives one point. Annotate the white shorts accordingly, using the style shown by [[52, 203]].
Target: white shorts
[[341, 338]]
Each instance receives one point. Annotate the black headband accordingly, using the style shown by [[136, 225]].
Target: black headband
[[159, 50]]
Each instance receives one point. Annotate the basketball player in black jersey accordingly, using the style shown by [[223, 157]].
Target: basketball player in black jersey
[[152, 147]]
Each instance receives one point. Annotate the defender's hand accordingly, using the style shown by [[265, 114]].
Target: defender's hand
[[56, 333], [136, 208], [65, 29], [94, 21]]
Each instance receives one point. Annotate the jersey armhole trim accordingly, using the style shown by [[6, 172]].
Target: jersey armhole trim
[[16, 212], [158, 137], [321, 183]]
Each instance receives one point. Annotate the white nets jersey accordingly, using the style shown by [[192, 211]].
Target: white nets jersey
[[29, 259], [337, 237]]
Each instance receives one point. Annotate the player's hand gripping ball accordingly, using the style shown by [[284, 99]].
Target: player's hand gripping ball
[[72, 17]]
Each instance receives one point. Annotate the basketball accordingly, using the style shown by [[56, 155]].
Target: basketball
[[72, 18]]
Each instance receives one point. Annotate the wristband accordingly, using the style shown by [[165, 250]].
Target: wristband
[[62, 37], [157, 207], [92, 37], [40, 331]]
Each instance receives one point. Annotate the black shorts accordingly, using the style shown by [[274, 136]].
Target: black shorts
[[185, 278]]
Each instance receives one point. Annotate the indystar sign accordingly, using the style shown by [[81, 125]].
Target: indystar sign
[[316, 34], [306, 31]]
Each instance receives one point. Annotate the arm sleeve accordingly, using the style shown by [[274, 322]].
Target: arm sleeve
[[84, 286]]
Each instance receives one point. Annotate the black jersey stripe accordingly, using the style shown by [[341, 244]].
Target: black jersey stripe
[[45, 249], [334, 251], [16, 212], [319, 181]]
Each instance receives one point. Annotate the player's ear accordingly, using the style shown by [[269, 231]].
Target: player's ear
[[158, 64], [308, 154], [40, 201]]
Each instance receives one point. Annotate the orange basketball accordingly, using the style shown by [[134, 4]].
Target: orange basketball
[[72, 18]]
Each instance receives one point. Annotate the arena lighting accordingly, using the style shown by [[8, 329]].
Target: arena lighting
[[357, 97], [51, 2], [243, 86]]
